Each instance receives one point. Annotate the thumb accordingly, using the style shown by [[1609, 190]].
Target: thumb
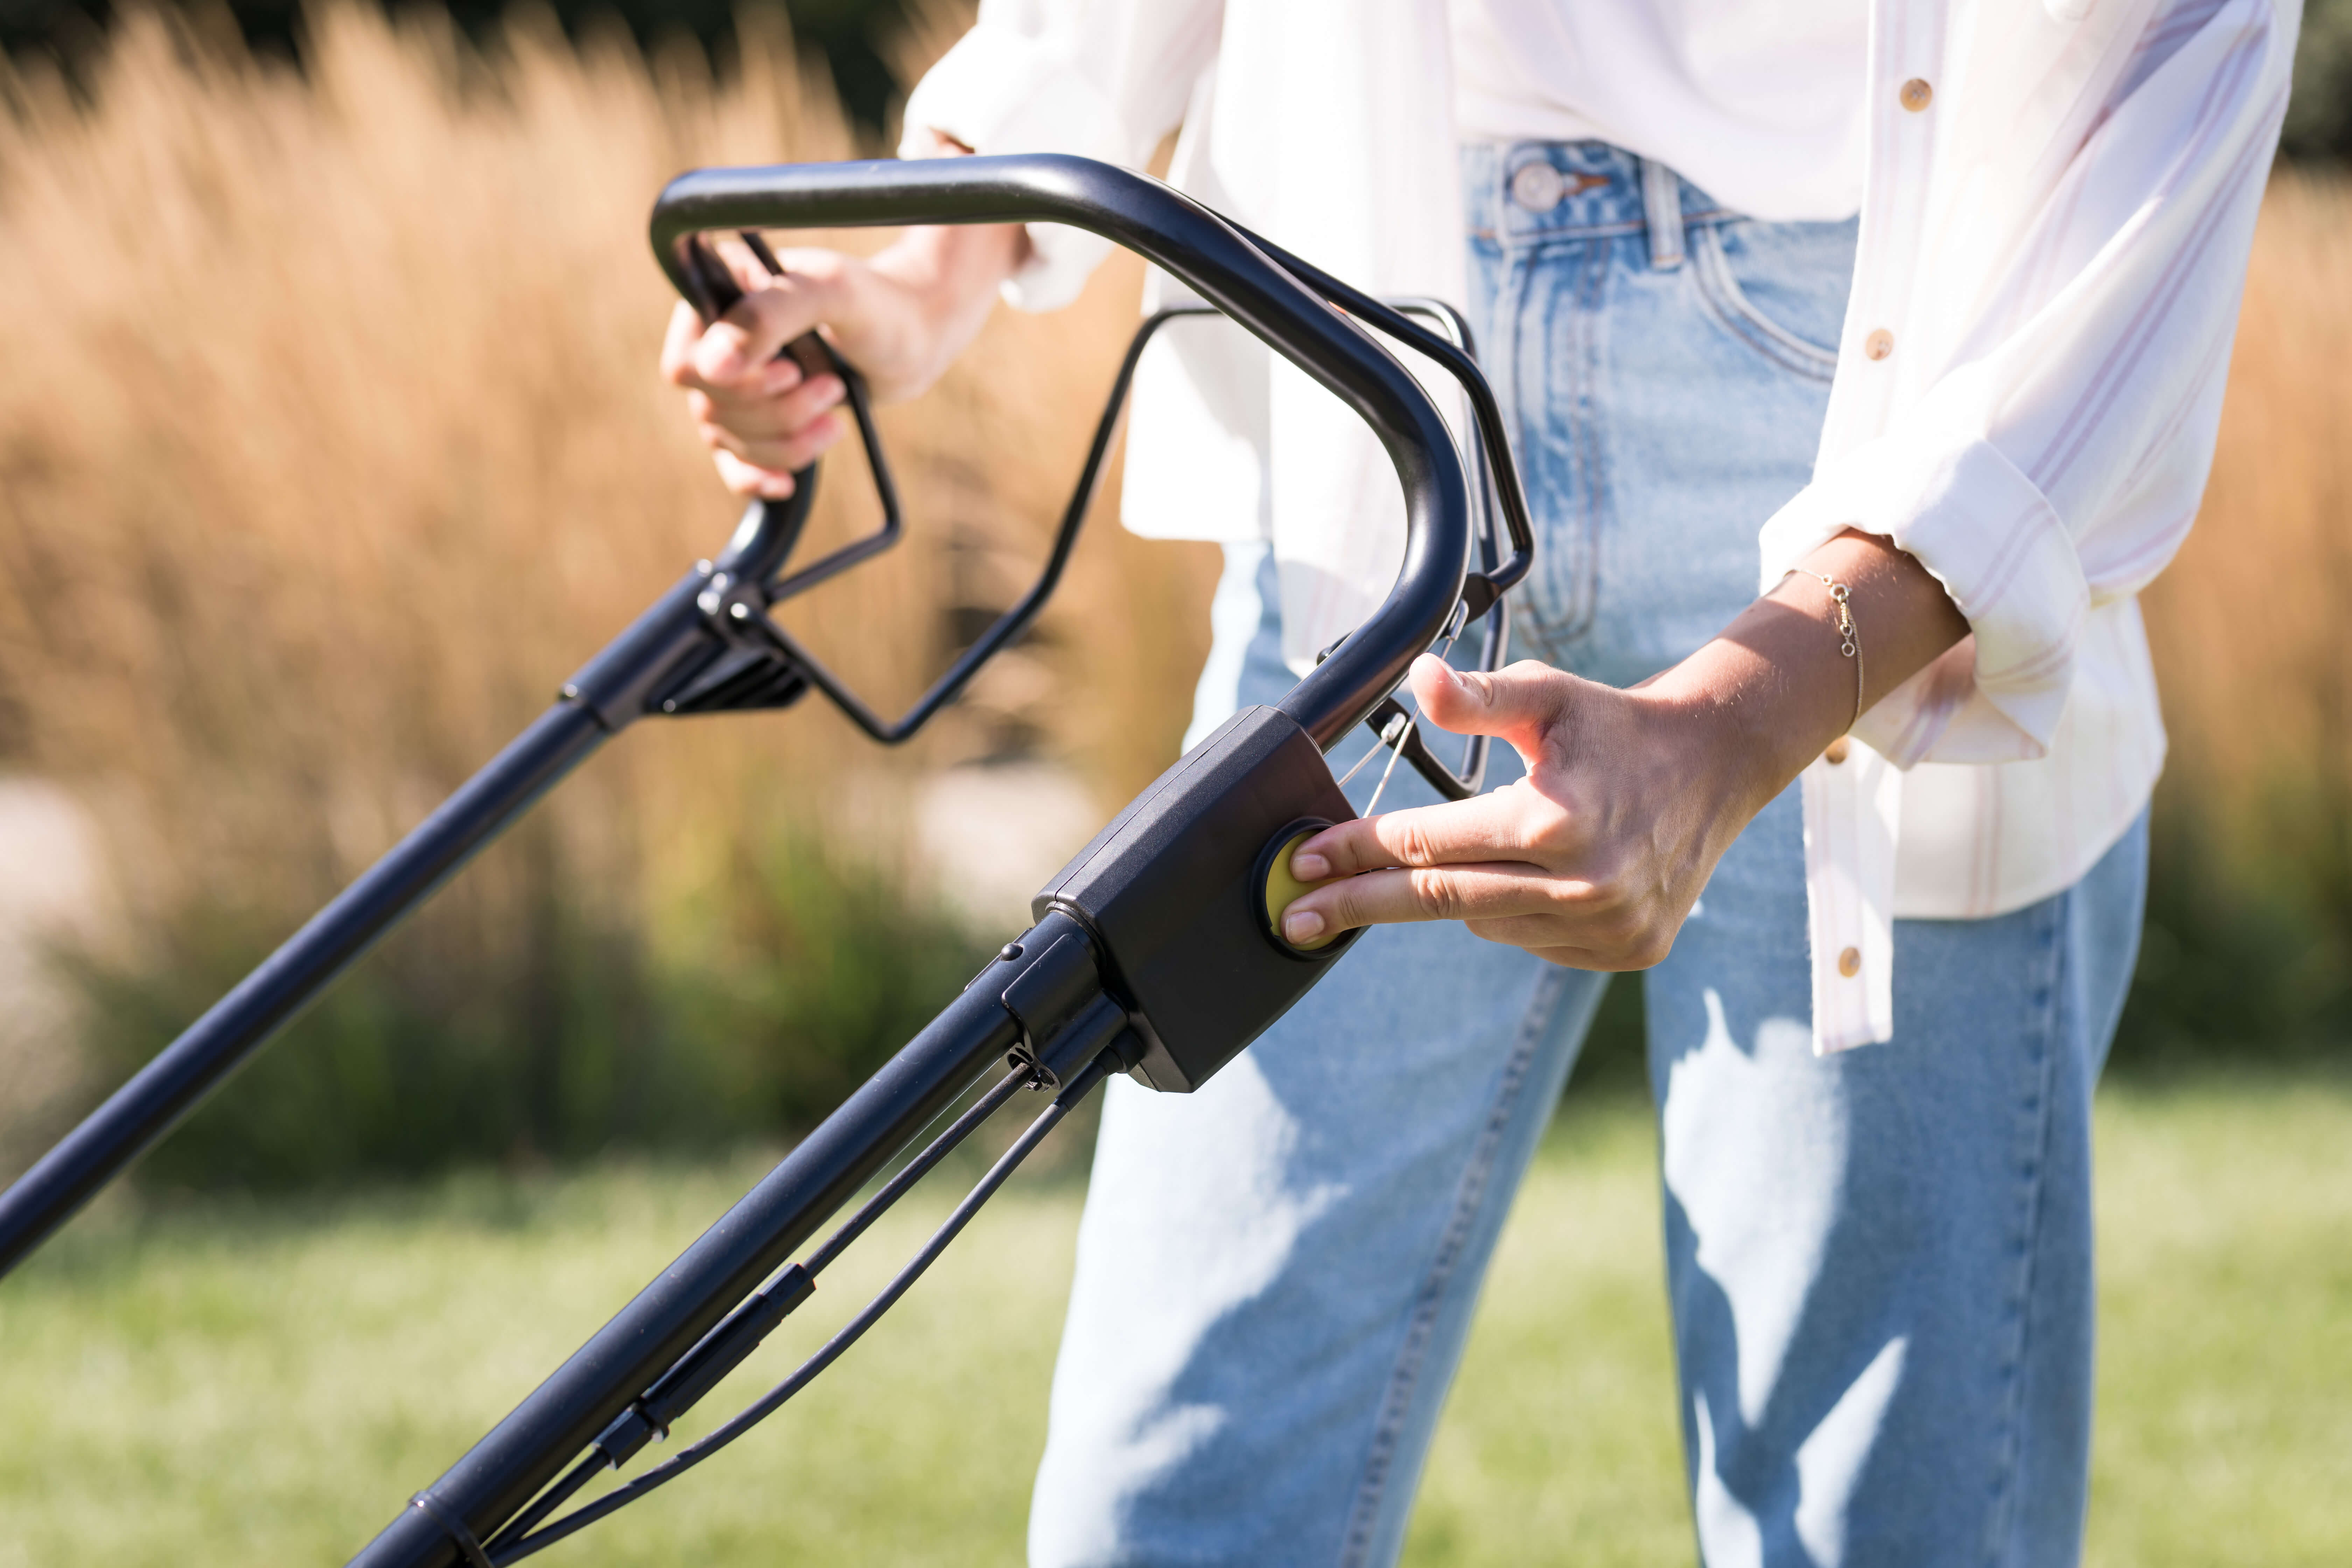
[[1511, 703], [741, 343]]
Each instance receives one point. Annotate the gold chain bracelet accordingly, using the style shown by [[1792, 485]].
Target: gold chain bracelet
[[1849, 637]]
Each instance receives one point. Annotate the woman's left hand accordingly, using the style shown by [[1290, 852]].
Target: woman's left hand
[[1591, 861], [1595, 860]]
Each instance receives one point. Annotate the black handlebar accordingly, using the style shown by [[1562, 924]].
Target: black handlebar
[[1218, 262]]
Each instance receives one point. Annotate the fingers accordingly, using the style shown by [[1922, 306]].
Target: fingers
[[679, 368], [1508, 823], [1498, 890], [1584, 940], [747, 480], [781, 455], [740, 344], [783, 434], [771, 413], [1565, 920], [737, 353], [678, 345], [763, 417], [1549, 937]]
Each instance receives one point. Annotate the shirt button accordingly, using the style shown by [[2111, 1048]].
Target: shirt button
[[1849, 961], [1916, 94], [1879, 344], [1836, 754], [1536, 187]]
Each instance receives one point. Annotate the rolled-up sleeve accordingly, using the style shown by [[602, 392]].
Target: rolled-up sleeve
[[2050, 454], [1100, 78]]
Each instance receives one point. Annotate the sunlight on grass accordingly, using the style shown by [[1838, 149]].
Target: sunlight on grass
[[230, 1385], [2225, 1369]]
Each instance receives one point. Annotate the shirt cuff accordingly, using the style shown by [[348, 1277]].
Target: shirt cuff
[[999, 91], [1992, 539]]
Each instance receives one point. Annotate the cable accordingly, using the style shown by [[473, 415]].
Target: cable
[[1391, 735], [1374, 804], [917, 1168], [596, 1460], [768, 1403], [593, 1463]]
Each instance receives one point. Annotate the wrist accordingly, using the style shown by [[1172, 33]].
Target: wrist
[[1798, 668], [948, 276], [953, 269], [1744, 724]]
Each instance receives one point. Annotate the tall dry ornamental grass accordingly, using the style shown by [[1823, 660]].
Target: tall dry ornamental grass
[[2257, 673], [330, 441]]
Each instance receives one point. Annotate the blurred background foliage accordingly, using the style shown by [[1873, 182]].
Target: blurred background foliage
[[2319, 109], [856, 39], [330, 440], [860, 41], [791, 980]]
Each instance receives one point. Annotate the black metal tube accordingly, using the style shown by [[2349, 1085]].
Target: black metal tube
[[563, 1415], [216, 1045]]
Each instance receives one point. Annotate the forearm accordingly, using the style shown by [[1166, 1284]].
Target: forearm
[[1774, 688], [954, 269]]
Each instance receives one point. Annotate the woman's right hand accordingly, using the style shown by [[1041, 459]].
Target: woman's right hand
[[899, 318]]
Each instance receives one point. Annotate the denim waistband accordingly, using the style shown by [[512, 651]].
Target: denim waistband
[[1592, 191]]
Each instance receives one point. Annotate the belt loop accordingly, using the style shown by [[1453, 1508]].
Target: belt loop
[[1661, 211]]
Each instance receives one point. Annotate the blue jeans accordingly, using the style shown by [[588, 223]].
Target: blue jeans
[[1879, 1263]]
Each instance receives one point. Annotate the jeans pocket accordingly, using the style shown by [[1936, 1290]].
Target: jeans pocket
[[1776, 287]]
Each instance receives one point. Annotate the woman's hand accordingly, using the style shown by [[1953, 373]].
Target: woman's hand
[[1595, 858], [1592, 860], [898, 319]]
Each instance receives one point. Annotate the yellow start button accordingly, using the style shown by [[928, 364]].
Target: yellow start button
[[1283, 890]]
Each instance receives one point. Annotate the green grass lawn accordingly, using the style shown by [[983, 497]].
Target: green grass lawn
[[231, 1385]]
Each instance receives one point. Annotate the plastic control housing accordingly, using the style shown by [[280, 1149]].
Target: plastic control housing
[[1170, 893]]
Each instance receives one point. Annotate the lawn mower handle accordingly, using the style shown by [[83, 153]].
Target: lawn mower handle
[[1220, 265]]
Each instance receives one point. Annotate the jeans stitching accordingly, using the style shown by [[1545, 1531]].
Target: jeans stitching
[[1537, 237], [1518, 280], [1396, 1403], [1590, 304], [1729, 305], [2036, 1122], [1577, 588]]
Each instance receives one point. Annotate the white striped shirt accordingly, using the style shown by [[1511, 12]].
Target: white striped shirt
[[2058, 200]]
